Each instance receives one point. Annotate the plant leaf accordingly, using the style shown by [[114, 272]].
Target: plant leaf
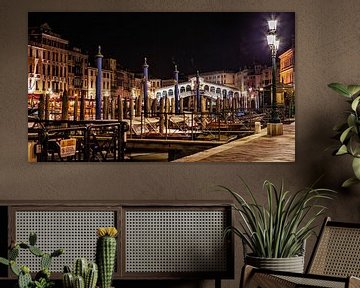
[[342, 150], [351, 120], [354, 145], [4, 261], [353, 89], [345, 134], [349, 182], [340, 88], [356, 167], [355, 103]]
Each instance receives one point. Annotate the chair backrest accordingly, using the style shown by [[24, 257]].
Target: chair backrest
[[337, 251]]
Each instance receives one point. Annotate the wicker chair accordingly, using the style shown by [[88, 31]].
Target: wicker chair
[[334, 263]]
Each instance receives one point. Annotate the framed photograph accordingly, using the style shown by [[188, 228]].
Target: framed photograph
[[161, 87]]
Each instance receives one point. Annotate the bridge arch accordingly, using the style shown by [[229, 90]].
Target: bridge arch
[[188, 88], [206, 88], [171, 92]]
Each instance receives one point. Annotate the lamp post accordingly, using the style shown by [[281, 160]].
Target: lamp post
[[274, 45], [261, 89]]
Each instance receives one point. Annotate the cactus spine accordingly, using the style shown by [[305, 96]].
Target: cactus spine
[[80, 267], [24, 280], [84, 276], [79, 282], [68, 280], [106, 254], [91, 276]]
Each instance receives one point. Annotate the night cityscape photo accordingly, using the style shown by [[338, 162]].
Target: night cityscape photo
[[161, 87]]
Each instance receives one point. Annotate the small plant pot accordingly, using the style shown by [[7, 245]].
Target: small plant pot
[[291, 264]]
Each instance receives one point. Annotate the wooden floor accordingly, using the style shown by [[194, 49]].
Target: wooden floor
[[255, 148]]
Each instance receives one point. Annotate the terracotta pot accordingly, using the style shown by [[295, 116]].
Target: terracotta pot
[[291, 264]]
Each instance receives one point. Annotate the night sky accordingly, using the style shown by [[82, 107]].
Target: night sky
[[193, 41]]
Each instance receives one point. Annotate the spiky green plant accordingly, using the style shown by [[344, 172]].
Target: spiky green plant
[[106, 254], [84, 275], [349, 132], [42, 278], [279, 229]]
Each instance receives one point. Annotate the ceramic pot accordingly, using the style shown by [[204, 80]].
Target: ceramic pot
[[291, 264]]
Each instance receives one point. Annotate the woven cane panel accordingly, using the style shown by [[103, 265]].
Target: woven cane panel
[[311, 282], [74, 231], [175, 241], [339, 253]]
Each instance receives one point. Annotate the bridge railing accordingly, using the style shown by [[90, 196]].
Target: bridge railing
[[95, 141], [201, 125]]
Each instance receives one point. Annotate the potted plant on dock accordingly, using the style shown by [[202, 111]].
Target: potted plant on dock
[[276, 233]]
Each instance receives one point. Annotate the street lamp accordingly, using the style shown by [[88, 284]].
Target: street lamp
[[274, 46], [261, 100]]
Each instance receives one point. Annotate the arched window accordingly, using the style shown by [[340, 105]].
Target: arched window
[[188, 88], [170, 92], [206, 87], [182, 89], [164, 93], [218, 91], [212, 89]]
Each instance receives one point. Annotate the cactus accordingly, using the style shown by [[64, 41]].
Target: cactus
[[79, 282], [105, 254], [24, 245], [24, 280], [42, 278], [91, 276], [14, 268], [43, 274], [80, 268], [68, 280], [84, 274], [32, 239], [67, 269], [45, 261], [57, 252], [36, 251], [13, 253]]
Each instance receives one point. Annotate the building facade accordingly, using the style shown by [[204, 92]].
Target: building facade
[[287, 67], [48, 56], [222, 77]]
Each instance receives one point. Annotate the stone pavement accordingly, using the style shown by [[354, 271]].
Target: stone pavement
[[254, 148]]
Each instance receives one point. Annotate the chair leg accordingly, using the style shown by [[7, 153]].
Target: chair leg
[[217, 283], [246, 274]]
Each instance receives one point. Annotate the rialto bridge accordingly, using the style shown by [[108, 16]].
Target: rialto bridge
[[212, 91]]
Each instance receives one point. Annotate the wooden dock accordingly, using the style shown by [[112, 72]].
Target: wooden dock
[[254, 148]]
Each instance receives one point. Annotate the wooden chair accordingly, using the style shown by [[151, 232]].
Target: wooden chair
[[335, 262]]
